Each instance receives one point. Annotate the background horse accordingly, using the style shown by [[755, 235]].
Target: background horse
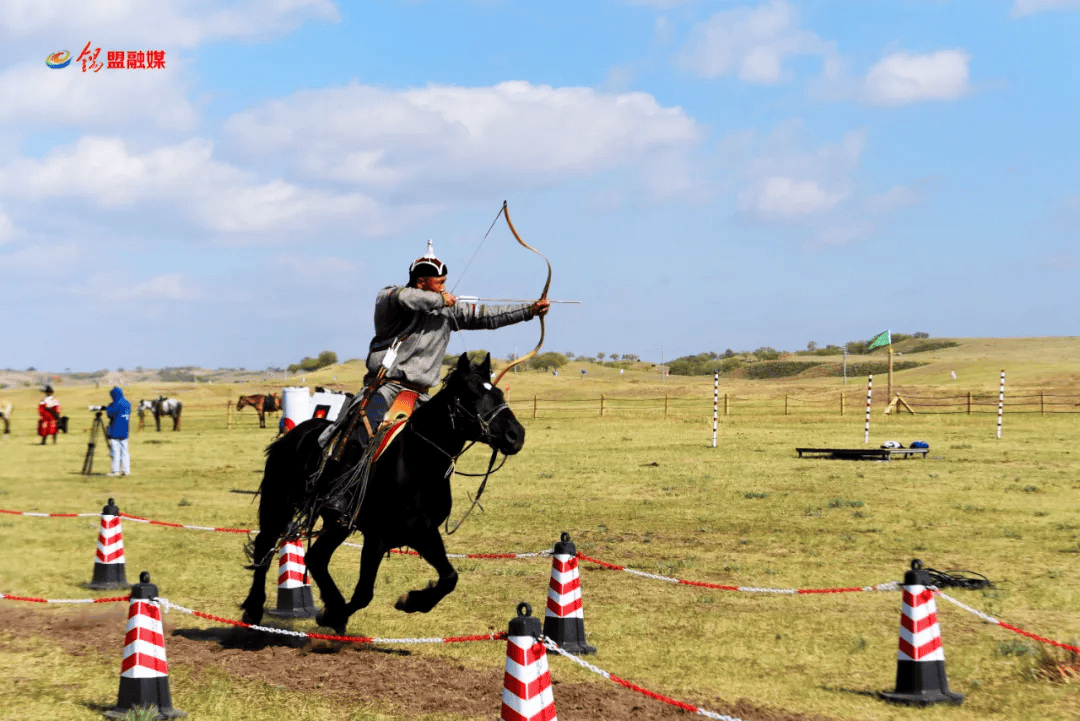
[[5, 414], [407, 495], [262, 404], [161, 406]]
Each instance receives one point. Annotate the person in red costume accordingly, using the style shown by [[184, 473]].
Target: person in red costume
[[48, 416]]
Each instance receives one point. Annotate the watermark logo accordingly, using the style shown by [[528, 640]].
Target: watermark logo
[[59, 60], [90, 59]]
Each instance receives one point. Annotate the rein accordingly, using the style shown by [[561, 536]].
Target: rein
[[485, 427]]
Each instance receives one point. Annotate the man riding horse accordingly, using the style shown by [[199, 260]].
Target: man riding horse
[[412, 330]]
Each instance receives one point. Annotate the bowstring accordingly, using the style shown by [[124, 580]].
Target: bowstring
[[469, 263]]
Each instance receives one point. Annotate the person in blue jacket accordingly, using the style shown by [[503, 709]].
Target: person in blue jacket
[[119, 412]]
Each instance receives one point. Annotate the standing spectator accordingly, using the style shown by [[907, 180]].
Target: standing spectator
[[119, 412], [48, 415]]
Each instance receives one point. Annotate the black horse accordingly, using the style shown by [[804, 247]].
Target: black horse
[[407, 496]]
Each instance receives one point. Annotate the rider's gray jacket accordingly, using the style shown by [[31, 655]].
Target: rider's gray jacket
[[427, 320]]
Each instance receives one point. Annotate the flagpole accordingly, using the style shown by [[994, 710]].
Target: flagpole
[[890, 371]]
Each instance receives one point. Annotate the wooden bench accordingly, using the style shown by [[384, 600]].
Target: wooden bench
[[862, 454]]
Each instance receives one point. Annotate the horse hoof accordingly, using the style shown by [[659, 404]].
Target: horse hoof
[[249, 619], [403, 604]]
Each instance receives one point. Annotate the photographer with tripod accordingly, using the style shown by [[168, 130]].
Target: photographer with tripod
[[119, 412]]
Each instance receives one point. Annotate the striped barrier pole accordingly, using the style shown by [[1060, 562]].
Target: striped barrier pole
[[715, 404], [869, 390], [564, 622], [144, 674], [109, 561], [527, 694], [294, 599], [920, 665], [1001, 402]]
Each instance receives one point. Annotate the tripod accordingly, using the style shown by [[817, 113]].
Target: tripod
[[88, 462]]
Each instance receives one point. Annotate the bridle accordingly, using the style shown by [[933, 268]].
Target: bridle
[[484, 422]]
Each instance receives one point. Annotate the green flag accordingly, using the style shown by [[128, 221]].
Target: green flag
[[882, 339]]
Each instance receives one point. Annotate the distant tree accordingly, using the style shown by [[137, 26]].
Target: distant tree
[[548, 361], [569, 355], [31, 369], [324, 359], [632, 358], [811, 346], [729, 353], [600, 356], [767, 353], [856, 347], [613, 356], [921, 334], [477, 356]]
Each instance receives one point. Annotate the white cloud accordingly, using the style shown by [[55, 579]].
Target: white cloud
[[169, 286], [187, 179], [7, 228], [658, 4], [438, 137], [163, 24], [32, 95], [1030, 7], [752, 43], [892, 199], [901, 78], [836, 235], [788, 197]]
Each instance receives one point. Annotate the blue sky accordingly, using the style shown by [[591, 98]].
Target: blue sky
[[702, 174]]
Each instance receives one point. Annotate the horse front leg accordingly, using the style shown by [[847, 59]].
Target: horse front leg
[[431, 549], [261, 556], [334, 613], [370, 559]]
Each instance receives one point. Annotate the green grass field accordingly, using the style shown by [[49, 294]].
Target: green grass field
[[639, 491]]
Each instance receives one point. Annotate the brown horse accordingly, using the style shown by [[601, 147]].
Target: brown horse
[[262, 404]]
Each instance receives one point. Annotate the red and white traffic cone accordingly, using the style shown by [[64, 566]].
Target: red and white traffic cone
[[144, 674], [920, 666], [109, 564], [527, 694], [564, 622], [294, 598]]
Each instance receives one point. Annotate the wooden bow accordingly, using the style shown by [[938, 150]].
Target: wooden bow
[[543, 296]]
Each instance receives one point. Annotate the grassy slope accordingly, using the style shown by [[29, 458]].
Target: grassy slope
[[648, 494]]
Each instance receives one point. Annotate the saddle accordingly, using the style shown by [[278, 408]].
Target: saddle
[[394, 421]]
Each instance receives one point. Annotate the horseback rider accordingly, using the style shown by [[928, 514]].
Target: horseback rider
[[412, 330]]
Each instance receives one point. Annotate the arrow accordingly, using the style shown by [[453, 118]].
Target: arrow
[[474, 299]]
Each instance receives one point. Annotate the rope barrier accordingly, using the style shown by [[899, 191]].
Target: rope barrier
[[137, 519], [539, 554], [1010, 627], [47, 515], [111, 599], [889, 586], [552, 646]]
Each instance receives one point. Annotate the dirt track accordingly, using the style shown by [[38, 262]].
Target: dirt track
[[408, 683]]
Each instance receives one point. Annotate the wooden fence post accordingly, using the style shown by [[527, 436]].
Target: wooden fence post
[[725, 404], [228, 416], [841, 404], [785, 404], [534, 405], [601, 405], [665, 405], [969, 403], [1042, 401]]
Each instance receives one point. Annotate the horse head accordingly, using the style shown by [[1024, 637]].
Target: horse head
[[478, 408]]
